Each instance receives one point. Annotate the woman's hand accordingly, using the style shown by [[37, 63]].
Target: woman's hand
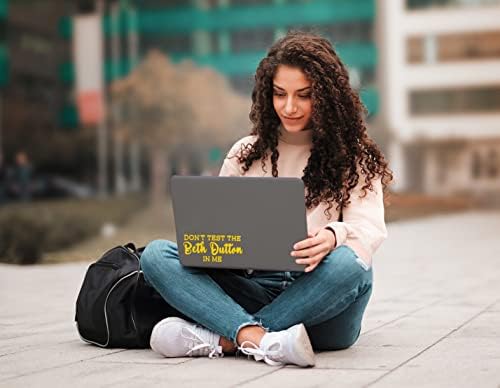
[[313, 249]]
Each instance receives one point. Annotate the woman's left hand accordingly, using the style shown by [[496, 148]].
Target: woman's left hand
[[314, 248]]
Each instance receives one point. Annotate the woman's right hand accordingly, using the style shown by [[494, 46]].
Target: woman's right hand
[[313, 249]]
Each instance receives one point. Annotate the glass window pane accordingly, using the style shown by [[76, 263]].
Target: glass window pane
[[466, 100], [420, 4], [251, 40], [457, 47]]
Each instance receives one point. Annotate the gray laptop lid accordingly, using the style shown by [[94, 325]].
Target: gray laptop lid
[[239, 222]]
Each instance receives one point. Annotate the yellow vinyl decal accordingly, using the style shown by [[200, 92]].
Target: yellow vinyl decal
[[212, 247]]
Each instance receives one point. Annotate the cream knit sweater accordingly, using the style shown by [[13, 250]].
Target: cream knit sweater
[[363, 227]]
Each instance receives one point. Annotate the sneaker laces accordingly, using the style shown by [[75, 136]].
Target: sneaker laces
[[199, 346], [262, 354]]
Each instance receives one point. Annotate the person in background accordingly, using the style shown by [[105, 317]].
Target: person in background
[[3, 180], [21, 179]]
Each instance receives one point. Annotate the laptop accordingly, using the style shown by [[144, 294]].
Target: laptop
[[238, 222]]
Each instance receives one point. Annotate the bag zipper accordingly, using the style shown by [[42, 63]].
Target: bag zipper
[[107, 264]]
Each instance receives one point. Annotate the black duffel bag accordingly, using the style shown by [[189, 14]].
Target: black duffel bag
[[116, 308]]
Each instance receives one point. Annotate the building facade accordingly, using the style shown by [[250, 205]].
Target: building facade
[[34, 102], [37, 73], [232, 36], [440, 82]]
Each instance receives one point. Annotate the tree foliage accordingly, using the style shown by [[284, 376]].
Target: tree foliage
[[166, 104]]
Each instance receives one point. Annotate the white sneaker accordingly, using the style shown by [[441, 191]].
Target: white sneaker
[[175, 337], [291, 346]]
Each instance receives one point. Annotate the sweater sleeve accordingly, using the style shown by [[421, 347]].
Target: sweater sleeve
[[230, 166], [363, 227]]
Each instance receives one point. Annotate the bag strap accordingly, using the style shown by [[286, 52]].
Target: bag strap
[[131, 246]]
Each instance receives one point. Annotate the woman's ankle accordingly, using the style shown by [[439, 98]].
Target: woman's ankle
[[251, 334], [228, 346]]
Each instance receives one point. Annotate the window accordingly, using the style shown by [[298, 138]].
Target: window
[[351, 31], [368, 76], [3, 30], [466, 100], [242, 84], [158, 4], [456, 47], [492, 164], [485, 163], [36, 44], [476, 165], [415, 50], [420, 4], [213, 3], [443, 166], [251, 40], [174, 43], [251, 2]]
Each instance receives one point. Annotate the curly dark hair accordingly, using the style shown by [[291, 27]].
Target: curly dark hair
[[341, 147]]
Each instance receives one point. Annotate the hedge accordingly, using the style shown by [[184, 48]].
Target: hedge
[[28, 230]]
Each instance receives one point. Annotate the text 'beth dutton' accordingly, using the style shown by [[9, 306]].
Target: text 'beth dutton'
[[219, 244]]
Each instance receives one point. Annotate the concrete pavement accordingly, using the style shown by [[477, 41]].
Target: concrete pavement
[[433, 320]]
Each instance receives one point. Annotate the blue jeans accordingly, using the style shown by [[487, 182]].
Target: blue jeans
[[329, 301]]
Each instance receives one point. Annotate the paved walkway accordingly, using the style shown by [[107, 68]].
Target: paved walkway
[[434, 320]]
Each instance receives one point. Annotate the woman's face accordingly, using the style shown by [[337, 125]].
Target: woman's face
[[292, 98]]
